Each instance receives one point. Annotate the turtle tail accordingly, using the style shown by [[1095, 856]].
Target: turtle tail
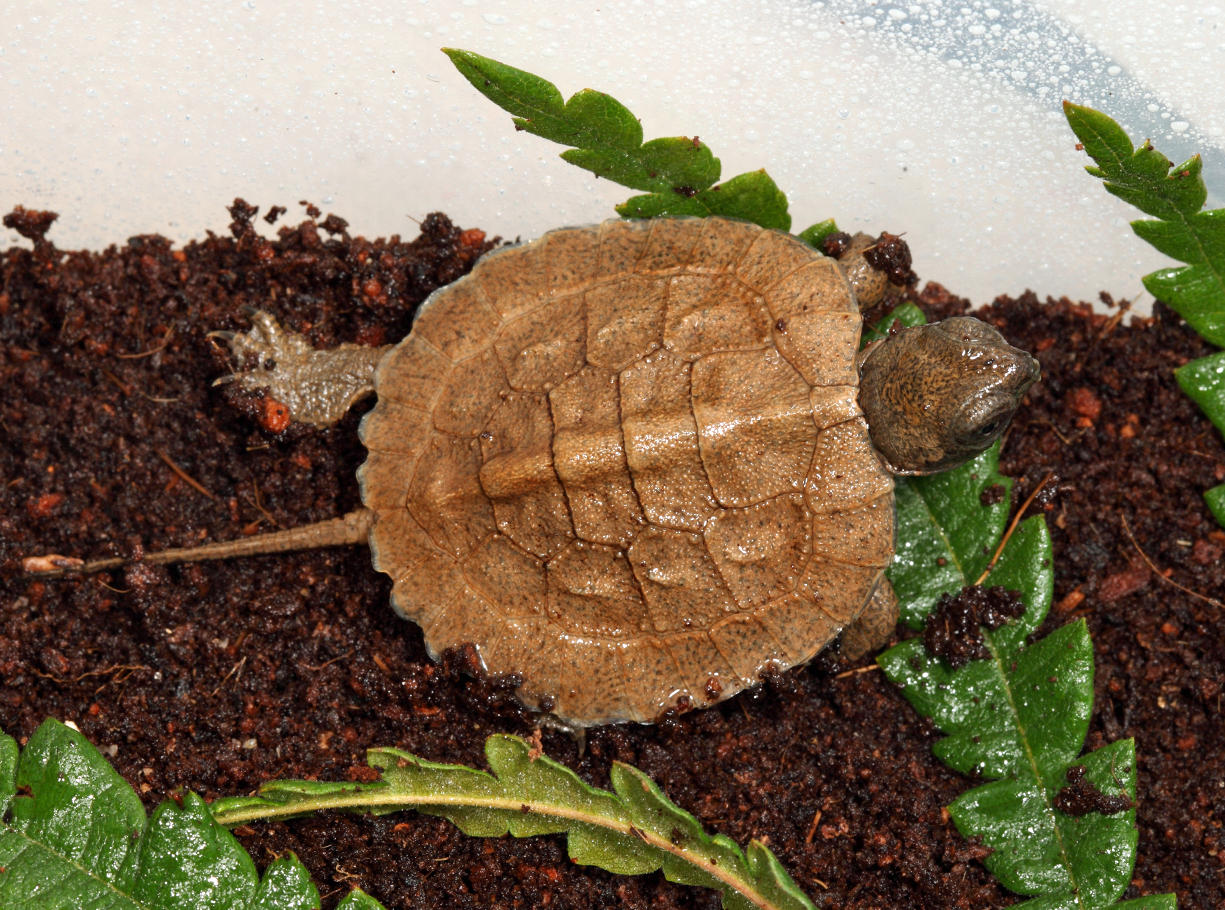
[[335, 532]]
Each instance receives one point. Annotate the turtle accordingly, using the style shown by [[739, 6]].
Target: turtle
[[639, 463]]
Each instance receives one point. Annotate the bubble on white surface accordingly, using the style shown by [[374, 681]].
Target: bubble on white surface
[[936, 117]]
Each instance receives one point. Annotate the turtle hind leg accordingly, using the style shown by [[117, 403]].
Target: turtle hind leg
[[317, 387], [874, 626]]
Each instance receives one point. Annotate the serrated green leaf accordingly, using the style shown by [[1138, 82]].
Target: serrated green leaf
[[1171, 237], [750, 197], [79, 811], [1058, 670], [609, 122], [1174, 195], [1040, 850], [1025, 566], [1141, 176], [613, 164], [632, 829], [534, 102], [677, 174], [987, 706], [680, 164], [80, 839], [1020, 715], [667, 167], [946, 532], [655, 205]]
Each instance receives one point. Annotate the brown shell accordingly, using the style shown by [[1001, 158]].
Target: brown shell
[[627, 462]]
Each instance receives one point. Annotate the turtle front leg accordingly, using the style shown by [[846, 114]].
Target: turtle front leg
[[875, 624], [317, 387]]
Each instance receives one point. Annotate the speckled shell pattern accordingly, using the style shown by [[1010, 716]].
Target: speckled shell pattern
[[626, 461]]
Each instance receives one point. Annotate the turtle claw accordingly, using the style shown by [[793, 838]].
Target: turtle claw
[[316, 386], [268, 345]]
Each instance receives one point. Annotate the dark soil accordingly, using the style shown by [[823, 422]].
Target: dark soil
[[219, 676]]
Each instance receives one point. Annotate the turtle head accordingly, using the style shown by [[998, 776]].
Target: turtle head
[[937, 395]]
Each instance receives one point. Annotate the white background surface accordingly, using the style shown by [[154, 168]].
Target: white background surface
[[940, 119]]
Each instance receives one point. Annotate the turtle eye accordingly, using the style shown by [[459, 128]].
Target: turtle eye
[[993, 425], [985, 418]]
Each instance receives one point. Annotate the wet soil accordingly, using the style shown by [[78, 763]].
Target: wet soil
[[216, 677]]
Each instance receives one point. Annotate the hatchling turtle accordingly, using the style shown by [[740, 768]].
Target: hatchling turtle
[[640, 462]]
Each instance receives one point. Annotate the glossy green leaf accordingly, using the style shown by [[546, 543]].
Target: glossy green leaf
[[1020, 717], [77, 837], [359, 900], [631, 829], [1151, 902], [8, 771], [904, 315], [286, 883], [1040, 850], [814, 235], [947, 525], [1203, 381], [677, 174], [1215, 498], [984, 706]]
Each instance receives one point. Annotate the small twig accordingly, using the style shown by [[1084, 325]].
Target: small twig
[[1124, 307], [259, 505], [237, 668], [328, 663], [101, 671], [119, 383], [183, 475], [1067, 441], [156, 400], [1132, 537], [812, 829], [868, 669], [151, 351], [1016, 520]]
